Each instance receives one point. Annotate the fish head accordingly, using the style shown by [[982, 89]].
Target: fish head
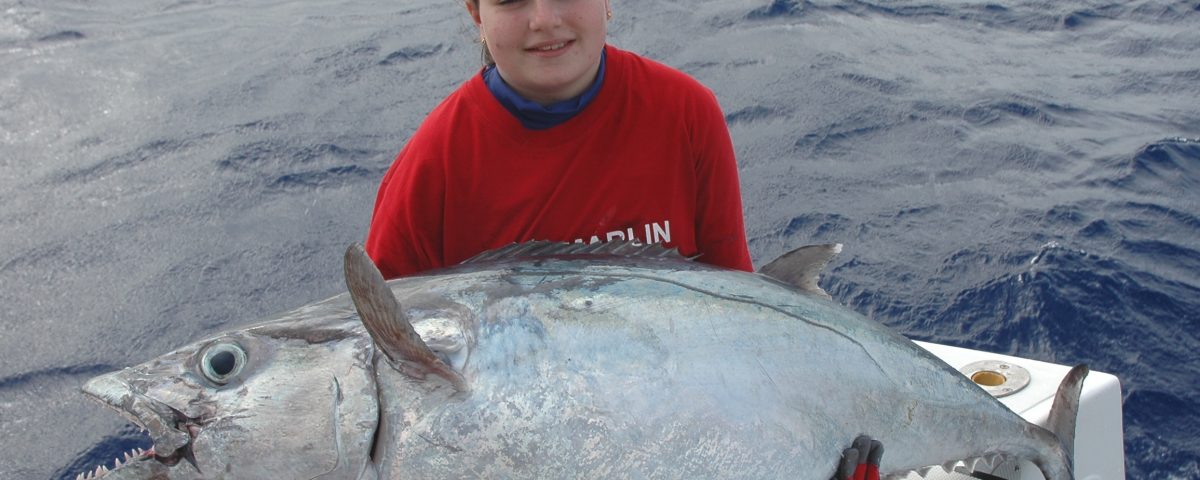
[[285, 399]]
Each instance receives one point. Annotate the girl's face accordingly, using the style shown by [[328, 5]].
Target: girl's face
[[546, 50]]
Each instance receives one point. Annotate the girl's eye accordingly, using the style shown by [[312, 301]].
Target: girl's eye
[[223, 362]]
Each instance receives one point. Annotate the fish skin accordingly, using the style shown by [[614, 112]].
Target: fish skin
[[582, 366]]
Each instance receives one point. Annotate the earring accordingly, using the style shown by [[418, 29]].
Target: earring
[[610, 14]]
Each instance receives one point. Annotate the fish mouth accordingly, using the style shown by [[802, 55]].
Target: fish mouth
[[131, 457], [172, 431]]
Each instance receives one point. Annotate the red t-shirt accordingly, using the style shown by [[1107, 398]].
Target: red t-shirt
[[649, 160]]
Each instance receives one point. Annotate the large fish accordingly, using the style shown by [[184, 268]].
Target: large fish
[[547, 360]]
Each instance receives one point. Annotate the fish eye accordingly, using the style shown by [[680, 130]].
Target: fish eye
[[222, 362]]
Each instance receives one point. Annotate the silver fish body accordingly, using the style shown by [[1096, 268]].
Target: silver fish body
[[559, 365]]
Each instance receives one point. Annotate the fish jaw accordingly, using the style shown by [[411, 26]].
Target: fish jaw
[[139, 464], [171, 431]]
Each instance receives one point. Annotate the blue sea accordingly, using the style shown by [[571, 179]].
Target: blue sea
[[1021, 177]]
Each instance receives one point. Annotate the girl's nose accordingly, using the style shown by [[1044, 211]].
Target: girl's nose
[[545, 14]]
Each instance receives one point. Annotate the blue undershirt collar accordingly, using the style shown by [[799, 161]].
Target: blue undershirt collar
[[532, 115]]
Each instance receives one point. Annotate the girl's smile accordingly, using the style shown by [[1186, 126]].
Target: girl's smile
[[546, 50]]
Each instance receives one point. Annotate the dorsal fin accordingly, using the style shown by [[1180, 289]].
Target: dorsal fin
[[389, 327], [802, 267], [543, 248]]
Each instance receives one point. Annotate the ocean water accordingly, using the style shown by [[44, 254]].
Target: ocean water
[[1020, 177]]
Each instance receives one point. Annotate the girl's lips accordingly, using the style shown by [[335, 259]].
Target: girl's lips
[[550, 49]]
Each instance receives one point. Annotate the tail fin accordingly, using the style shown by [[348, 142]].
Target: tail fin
[[1060, 431], [1059, 435], [1065, 409]]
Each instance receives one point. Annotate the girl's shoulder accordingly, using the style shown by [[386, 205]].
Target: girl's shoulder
[[650, 81], [467, 108], [645, 68]]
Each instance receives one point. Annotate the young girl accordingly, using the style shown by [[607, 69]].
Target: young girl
[[561, 137]]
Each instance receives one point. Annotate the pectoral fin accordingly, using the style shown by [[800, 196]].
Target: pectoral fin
[[389, 327]]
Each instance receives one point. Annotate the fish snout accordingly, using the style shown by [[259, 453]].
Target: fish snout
[[107, 389], [158, 419]]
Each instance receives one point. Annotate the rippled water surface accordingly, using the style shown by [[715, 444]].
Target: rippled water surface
[[1014, 176]]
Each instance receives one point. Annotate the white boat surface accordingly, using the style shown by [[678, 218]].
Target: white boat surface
[[1099, 434]]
